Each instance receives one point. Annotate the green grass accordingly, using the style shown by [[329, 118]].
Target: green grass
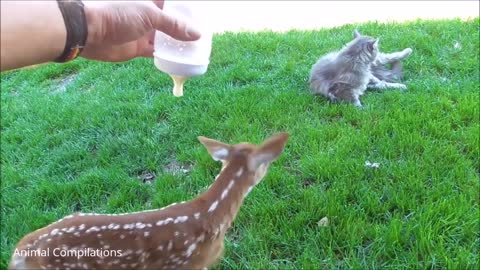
[[82, 146]]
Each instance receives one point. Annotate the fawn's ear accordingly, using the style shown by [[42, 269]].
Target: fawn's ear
[[218, 150], [356, 33], [268, 151]]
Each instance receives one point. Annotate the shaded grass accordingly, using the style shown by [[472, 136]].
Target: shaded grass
[[82, 148]]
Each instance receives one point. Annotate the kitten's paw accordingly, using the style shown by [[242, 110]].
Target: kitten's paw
[[402, 86], [357, 103], [407, 52], [331, 97]]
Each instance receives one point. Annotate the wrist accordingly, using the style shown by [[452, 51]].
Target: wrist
[[94, 25], [73, 13]]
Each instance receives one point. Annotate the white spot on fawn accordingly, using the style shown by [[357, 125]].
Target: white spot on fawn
[[180, 219], [196, 215], [201, 238], [213, 206], [224, 194], [54, 231], [190, 249], [128, 226], [81, 227], [239, 172], [93, 229], [140, 225]]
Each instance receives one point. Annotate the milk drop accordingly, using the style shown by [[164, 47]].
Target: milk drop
[[182, 60], [178, 82]]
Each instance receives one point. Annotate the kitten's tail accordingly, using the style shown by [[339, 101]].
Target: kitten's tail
[[397, 70]]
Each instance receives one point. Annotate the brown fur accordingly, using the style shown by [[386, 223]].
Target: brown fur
[[187, 235]]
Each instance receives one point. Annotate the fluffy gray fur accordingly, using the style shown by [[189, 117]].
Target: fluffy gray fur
[[346, 74]]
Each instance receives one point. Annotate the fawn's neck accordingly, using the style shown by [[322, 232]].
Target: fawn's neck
[[225, 197]]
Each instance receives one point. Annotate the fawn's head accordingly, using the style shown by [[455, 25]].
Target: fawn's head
[[255, 158]]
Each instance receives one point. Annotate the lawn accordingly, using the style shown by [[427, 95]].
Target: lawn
[[80, 136]]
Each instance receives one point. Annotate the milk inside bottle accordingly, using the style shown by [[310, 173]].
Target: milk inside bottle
[[183, 59]]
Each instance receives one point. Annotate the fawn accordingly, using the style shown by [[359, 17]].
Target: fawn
[[185, 235]]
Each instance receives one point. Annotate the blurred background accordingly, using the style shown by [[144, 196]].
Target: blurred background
[[286, 15]]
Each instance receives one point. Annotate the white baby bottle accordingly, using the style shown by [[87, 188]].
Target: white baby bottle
[[183, 59]]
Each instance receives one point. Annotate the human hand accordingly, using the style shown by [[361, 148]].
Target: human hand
[[122, 30]]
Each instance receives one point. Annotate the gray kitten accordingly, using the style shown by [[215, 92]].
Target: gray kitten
[[346, 74]]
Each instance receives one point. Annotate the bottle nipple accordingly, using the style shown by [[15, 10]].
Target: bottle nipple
[[178, 82]]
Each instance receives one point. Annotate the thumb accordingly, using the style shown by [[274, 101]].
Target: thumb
[[159, 3], [174, 27]]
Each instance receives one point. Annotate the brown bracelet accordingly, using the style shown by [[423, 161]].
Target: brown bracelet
[[76, 25]]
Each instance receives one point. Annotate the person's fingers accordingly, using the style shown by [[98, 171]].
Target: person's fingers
[[151, 37], [174, 27], [115, 53], [147, 51], [159, 3], [145, 47]]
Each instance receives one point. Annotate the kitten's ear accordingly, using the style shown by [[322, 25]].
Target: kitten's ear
[[373, 45], [356, 33]]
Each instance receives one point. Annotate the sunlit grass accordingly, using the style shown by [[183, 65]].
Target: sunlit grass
[[76, 137]]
